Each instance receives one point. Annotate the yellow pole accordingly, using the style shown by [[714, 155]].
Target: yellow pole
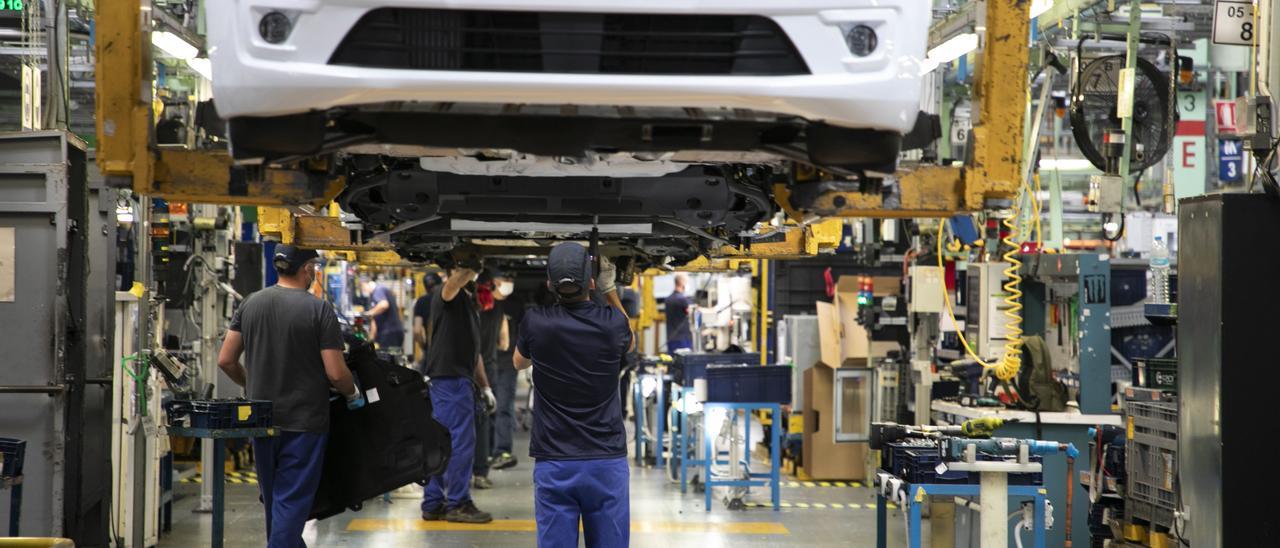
[[763, 338]]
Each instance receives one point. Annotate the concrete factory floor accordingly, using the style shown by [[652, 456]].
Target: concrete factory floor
[[661, 517]]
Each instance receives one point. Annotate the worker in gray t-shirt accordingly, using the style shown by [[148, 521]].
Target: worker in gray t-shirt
[[293, 354]]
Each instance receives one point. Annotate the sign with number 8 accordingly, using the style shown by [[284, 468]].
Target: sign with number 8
[[1233, 23]]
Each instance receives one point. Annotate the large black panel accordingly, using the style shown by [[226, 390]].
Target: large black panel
[[1228, 296]]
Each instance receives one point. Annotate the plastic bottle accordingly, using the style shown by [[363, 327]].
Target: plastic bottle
[[1158, 285]]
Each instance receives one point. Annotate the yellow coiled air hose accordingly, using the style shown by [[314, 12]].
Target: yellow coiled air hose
[[1009, 364]]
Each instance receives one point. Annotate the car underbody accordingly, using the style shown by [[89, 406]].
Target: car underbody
[[661, 219]]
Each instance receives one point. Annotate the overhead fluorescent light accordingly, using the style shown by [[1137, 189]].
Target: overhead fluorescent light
[[1038, 7], [202, 66], [174, 45], [1065, 164], [954, 48]]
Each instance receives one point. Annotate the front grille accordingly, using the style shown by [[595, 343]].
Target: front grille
[[577, 43]]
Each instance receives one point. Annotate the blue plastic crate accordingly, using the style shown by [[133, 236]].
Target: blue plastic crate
[[220, 414], [14, 452], [694, 366], [749, 384], [917, 462]]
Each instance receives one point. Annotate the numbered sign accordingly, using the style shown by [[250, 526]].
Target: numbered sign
[[1233, 23], [1230, 160]]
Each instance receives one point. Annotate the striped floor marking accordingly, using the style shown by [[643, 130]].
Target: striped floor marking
[[529, 526], [820, 505], [246, 478], [821, 484]]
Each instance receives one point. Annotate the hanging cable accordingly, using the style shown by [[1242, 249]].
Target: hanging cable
[[1010, 363]]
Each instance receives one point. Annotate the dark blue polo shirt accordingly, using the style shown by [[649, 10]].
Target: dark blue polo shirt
[[577, 352]]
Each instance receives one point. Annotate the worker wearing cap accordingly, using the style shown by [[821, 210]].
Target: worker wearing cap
[[456, 372], [576, 348], [292, 347]]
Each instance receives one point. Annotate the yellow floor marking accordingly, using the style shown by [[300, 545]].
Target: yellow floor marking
[[824, 484], [855, 484], [890, 505], [802, 504], [785, 504], [793, 484], [837, 505], [841, 484], [529, 526], [808, 484], [819, 505], [855, 505]]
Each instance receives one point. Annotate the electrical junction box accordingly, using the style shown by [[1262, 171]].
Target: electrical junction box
[[985, 323], [1106, 194], [1257, 125], [925, 290]]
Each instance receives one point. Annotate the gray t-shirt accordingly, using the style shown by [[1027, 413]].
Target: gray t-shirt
[[284, 331]]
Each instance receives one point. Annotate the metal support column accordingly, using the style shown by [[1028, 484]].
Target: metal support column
[[143, 344], [1131, 65]]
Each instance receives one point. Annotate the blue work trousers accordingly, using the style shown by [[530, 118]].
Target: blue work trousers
[[289, 466], [673, 345], [504, 421], [595, 492], [454, 406]]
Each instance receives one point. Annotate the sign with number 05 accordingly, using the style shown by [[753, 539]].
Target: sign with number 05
[[1233, 23]]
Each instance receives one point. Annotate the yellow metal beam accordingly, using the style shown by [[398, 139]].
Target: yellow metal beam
[[923, 192], [122, 100], [126, 145], [200, 176], [314, 232], [1001, 95]]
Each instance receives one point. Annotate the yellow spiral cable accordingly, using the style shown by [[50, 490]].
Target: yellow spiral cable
[[1011, 362]]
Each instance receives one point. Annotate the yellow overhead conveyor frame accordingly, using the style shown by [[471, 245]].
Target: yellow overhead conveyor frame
[[128, 156]]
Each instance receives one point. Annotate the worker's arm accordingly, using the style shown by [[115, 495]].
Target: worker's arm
[[419, 331], [613, 299], [335, 367], [229, 357], [481, 378], [460, 278], [504, 336], [379, 308], [520, 361]]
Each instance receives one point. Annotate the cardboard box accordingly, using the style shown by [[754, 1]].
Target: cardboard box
[[844, 342], [824, 459]]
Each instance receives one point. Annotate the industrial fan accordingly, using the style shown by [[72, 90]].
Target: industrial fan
[[1094, 113]]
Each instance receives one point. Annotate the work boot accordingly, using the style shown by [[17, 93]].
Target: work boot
[[468, 513], [504, 461], [481, 482], [434, 514]]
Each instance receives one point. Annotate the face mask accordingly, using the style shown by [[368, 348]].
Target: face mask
[[506, 288]]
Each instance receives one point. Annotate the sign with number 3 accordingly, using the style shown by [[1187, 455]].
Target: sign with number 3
[[1233, 23]]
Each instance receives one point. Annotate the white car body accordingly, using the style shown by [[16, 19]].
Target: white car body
[[879, 91]]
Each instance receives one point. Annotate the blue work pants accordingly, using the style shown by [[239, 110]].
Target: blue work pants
[[454, 406], [673, 345], [593, 492], [289, 466], [504, 421]]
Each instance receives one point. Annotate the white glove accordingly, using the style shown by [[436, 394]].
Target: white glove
[[490, 402], [606, 281]]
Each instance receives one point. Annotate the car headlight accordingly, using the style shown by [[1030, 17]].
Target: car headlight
[[275, 27], [861, 40]]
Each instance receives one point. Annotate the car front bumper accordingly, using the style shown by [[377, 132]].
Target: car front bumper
[[880, 91]]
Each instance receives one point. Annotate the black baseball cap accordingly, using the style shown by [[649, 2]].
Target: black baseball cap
[[569, 269], [289, 259]]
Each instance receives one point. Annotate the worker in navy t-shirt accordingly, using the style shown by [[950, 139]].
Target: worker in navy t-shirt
[[576, 349], [677, 309]]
